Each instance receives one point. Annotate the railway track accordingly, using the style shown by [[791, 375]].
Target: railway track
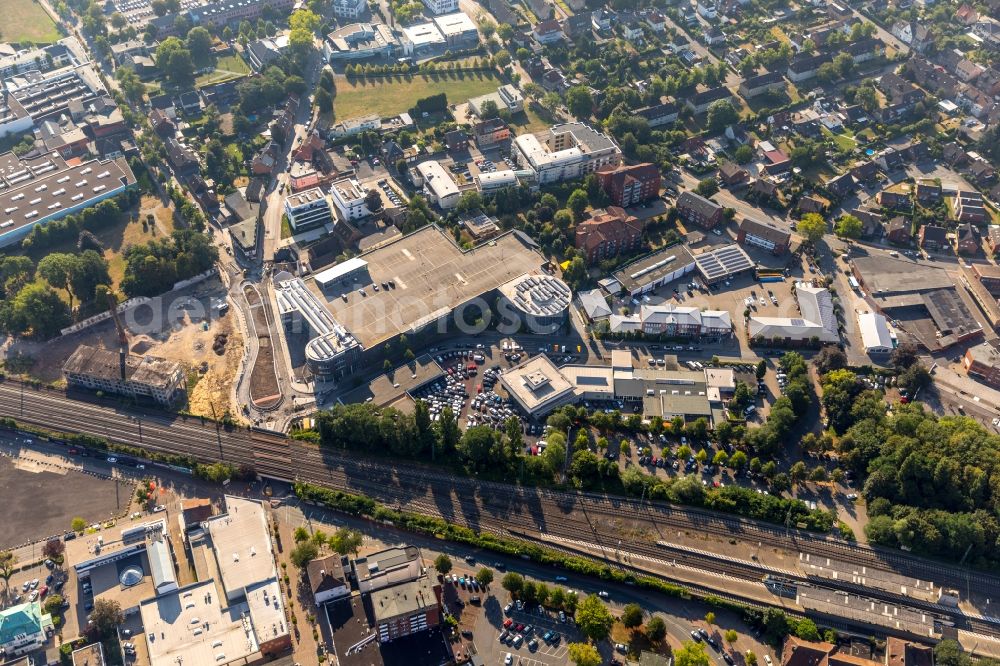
[[481, 505]]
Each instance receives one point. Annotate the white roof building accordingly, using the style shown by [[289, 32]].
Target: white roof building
[[818, 319], [440, 187], [876, 335], [594, 304]]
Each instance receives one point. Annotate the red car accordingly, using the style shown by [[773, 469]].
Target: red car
[[43, 591], [507, 623], [519, 628]]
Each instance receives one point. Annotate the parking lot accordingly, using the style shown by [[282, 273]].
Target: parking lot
[[471, 387], [527, 646], [41, 495]]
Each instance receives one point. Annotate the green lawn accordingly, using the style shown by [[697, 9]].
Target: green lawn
[[25, 20], [226, 69], [842, 141], [388, 96]]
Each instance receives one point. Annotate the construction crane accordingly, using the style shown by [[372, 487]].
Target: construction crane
[[122, 335]]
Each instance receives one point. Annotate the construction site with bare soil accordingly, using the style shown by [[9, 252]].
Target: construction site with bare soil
[[187, 326]]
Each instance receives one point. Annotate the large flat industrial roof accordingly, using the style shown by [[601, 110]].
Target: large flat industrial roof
[[653, 267], [242, 545], [433, 276], [723, 262], [43, 190], [190, 626], [392, 387], [537, 383]]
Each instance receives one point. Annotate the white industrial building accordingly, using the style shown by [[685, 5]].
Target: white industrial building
[[818, 319], [458, 29], [506, 97], [491, 181], [307, 210], [876, 335], [566, 151], [349, 199], [438, 184], [421, 38], [358, 41]]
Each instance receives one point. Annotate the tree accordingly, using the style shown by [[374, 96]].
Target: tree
[[107, 615], [580, 102], [751, 658], [830, 358], [710, 618], [584, 654], [866, 98], [304, 553], [743, 154], [721, 114], [707, 187], [300, 535], [174, 60], [36, 309], [812, 226], [373, 201], [8, 562], [797, 472], [303, 24], [442, 563], [78, 524], [53, 604], [89, 270], [731, 636], [656, 629], [594, 618], [56, 268], [576, 273], [53, 549], [578, 202], [848, 226], [199, 44], [513, 583], [484, 576], [346, 540], [913, 378], [905, 355], [632, 616], [324, 100], [691, 654]]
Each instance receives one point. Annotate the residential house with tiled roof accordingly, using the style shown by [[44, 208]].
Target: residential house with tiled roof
[[733, 175], [898, 230], [928, 192], [804, 66], [842, 185], [698, 210], [659, 114], [967, 239], [932, 237], [966, 14], [761, 84], [763, 235], [699, 102]]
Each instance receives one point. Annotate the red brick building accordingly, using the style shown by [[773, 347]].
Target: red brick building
[[406, 609], [608, 233], [698, 210], [630, 185], [983, 362]]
